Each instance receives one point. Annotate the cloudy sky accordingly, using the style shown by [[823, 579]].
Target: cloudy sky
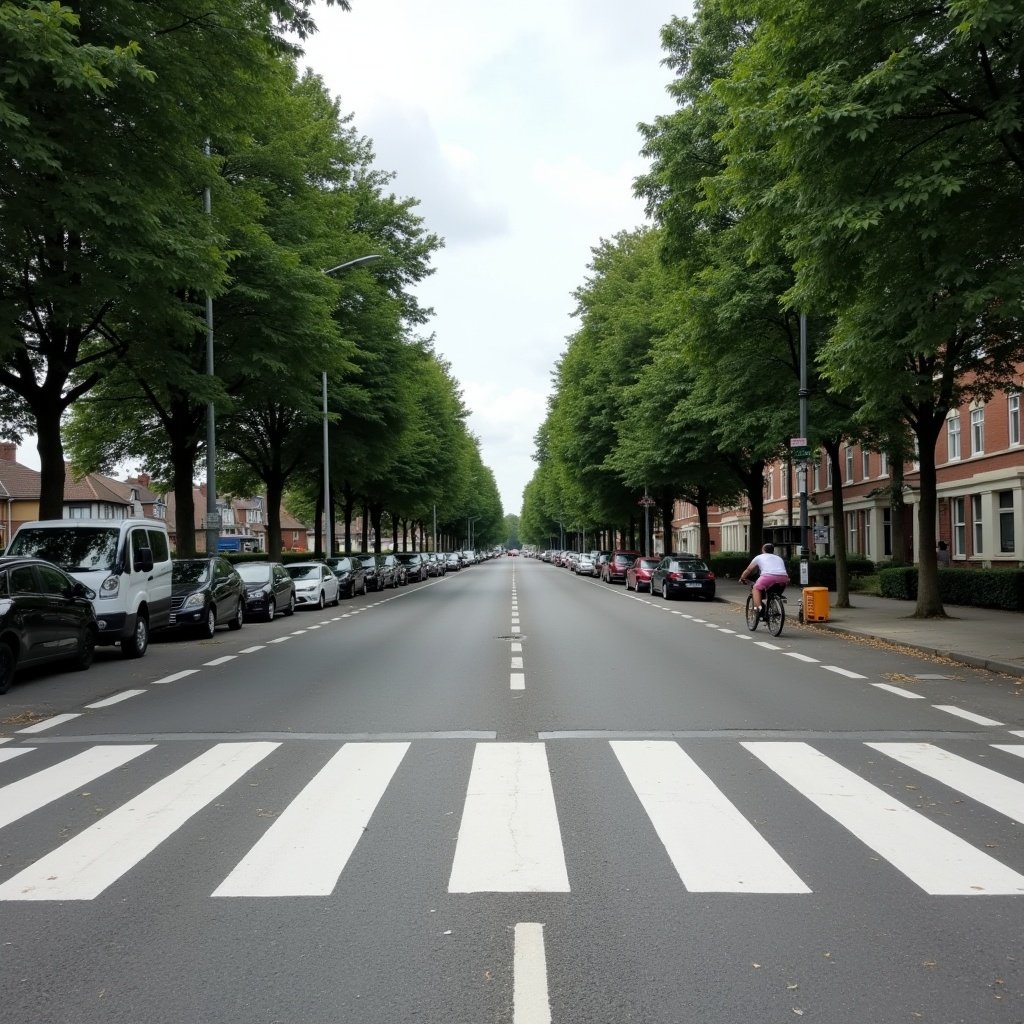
[[515, 125]]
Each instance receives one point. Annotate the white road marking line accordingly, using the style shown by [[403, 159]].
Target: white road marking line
[[843, 672], [35, 791], [712, 846], [1014, 748], [252, 650], [530, 1001], [767, 646], [220, 661], [509, 840], [280, 639], [11, 753], [516, 681], [116, 699], [934, 859], [969, 715], [1017, 732], [311, 628], [743, 636], [731, 632], [899, 691], [516, 645], [5, 739], [174, 677], [517, 663], [304, 852], [982, 784], [49, 723], [802, 657], [325, 622], [96, 858], [297, 632], [695, 619]]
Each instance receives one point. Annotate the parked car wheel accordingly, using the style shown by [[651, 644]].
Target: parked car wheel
[[236, 622], [321, 601], [87, 652], [271, 610], [8, 663], [290, 610], [665, 591], [136, 645], [209, 626]]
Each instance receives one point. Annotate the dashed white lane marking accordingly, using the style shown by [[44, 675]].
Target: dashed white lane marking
[[306, 849], [311, 628], [899, 691], [11, 752], [509, 840], [27, 795], [936, 860], [297, 632], [116, 699], [517, 663], [731, 632], [220, 661], [516, 646], [252, 650], [280, 639], [982, 784], [530, 1001], [969, 715], [712, 846], [517, 681], [802, 657], [326, 622], [49, 723], [767, 646], [174, 677], [843, 672]]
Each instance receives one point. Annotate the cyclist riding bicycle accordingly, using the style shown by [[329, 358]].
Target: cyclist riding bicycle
[[771, 570]]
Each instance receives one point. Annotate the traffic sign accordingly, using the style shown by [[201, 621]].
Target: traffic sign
[[646, 501], [798, 442], [801, 453]]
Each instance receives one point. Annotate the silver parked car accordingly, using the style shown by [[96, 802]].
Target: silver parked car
[[315, 584]]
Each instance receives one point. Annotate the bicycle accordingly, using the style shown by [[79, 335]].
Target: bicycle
[[773, 610]]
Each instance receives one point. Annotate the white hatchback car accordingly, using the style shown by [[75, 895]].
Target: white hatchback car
[[315, 584]]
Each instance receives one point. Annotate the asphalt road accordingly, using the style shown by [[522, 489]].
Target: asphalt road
[[512, 795]]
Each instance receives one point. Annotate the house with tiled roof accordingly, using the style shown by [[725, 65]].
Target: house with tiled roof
[[19, 492]]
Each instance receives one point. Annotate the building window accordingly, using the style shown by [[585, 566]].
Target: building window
[[1007, 540], [956, 515], [1014, 419], [784, 470], [851, 528], [828, 471], [79, 512], [977, 431], [883, 464], [849, 464], [769, 485], [976, 523], [953, 435], [887, 531], [817, 477], [865, 464]]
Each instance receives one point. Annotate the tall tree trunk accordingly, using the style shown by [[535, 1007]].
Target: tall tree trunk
[[376, 514], [365, 542], [929, 602], [831, 445], [51, 466], [275, 492], [897, 506]]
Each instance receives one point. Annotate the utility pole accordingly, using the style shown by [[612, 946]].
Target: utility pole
[[802, 474]]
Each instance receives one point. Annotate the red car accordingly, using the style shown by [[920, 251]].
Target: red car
[[638, 575], [614, 570]]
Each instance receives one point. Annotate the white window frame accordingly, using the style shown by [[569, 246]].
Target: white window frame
[[957, 521], [865, 463], [883, 464], [849, 464], [977, 524], [953, 435], [1013, 417], [978, 431], [1006, 518], [783, 480]]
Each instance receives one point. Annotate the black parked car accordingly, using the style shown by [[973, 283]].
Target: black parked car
[[372, 571], [206, 592], [416, 569], [351, 574], [683, 574], [45, 616], [268, 589], [393, 569]]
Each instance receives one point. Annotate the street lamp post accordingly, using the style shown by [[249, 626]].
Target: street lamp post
[[211, 521], [358, 262], [470, 520]]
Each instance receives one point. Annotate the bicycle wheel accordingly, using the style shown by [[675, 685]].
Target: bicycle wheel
[[752, 615], [776, 615]]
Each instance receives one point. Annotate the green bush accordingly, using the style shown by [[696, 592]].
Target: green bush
[[981, 588]]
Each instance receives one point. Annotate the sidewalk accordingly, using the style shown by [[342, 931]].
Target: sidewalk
[[980, 637]]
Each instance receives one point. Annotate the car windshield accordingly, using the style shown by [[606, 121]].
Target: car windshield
[[691, 564], [303, 572], [340, 564], [370, 563], [407, 559], [647, 563], [254, 573], [87, 549], [190, 572]]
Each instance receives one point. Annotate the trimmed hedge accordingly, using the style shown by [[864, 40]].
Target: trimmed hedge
[[982, 588], [730, 564]]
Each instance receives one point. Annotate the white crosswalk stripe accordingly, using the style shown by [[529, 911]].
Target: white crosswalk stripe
[[510, 834]]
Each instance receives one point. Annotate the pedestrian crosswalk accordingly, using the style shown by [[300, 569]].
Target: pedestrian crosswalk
[[702, 824]]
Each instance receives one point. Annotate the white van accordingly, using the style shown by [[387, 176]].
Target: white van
[[125, 562]]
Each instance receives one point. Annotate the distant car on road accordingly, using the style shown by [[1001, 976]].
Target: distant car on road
[[268, 589], [686, 575], [638, 575], [614, 570], [206, 593], [315, 585]]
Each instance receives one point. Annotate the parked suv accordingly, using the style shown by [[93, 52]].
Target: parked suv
[[614, 570]]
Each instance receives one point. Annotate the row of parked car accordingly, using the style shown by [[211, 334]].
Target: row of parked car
[[69, 586], [676, 575]]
